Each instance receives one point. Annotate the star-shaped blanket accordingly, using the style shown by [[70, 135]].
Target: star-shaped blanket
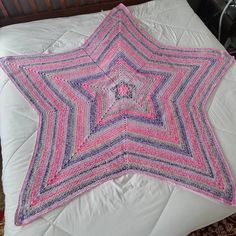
[[122, 103]]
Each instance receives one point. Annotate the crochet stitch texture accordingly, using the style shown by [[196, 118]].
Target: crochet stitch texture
[[122, 103]]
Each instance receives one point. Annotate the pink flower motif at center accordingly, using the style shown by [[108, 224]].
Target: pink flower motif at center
[[123, 90]]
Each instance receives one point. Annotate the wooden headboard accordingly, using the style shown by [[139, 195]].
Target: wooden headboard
[[17, 11]]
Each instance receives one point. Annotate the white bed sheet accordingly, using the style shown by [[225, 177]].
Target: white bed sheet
[[133, 205]]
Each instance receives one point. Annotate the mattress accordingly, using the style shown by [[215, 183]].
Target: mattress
[[132, 204]]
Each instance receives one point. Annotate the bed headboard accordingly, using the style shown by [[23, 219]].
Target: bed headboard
[[17, 11]]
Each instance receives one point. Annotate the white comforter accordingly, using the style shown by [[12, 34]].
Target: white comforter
[[132, 205]]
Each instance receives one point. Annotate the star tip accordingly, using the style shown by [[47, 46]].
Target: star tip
[[121, 5], [18, 222]]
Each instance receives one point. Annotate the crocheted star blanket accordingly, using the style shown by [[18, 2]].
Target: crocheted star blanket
[[121, 103]]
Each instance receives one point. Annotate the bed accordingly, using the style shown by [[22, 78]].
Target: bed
[[132, 204]]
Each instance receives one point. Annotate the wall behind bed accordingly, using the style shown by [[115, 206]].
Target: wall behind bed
[[16, 11]]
